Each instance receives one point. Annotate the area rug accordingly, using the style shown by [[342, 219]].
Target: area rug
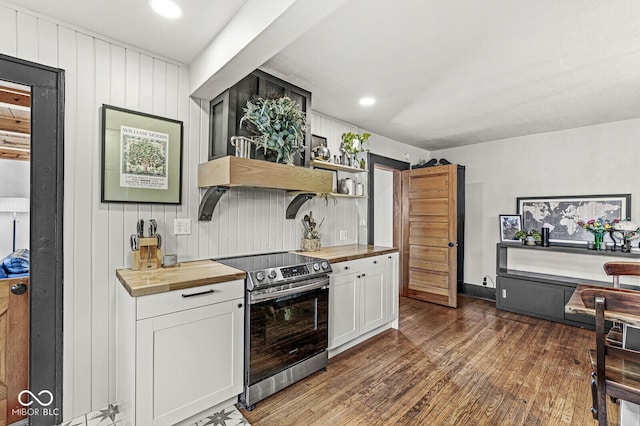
[[229, 416]]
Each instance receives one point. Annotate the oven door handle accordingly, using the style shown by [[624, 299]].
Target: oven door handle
[[317, 284]]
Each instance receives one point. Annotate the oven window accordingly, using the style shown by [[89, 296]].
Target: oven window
[[285, 331]]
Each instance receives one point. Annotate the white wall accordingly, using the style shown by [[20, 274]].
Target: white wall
[[383, 208], [14, 176], [96, 234], [599, 159]]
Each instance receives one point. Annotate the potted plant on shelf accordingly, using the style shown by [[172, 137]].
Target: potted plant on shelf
[[529, 238], [351, 144], [279, 125]]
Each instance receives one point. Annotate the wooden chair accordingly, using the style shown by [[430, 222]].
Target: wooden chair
[[615, 370], [615, 270]]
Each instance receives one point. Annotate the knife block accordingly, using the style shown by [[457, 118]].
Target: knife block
[[148, 256]]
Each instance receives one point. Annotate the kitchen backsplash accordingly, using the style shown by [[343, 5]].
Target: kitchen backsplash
[[249, 220]]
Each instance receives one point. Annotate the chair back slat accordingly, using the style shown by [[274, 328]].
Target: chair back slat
[[622, 268], [618, 300]]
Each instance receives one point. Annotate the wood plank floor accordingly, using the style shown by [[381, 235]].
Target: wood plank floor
[[474, 365]]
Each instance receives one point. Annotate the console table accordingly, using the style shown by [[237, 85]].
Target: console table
[[544, 295]]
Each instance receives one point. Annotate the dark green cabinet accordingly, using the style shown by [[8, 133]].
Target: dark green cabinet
[[226, 110]]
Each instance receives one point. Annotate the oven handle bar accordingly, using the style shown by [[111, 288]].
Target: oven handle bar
[[322, 283]]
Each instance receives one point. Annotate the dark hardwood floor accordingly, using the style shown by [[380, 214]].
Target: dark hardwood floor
[[474, 365]]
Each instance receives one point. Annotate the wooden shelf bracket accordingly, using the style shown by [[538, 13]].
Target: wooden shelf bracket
[[210, 201], [296, 203]]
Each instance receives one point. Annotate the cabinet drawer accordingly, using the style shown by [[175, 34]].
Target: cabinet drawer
[[174, 301], [358, 265], [346, 267]]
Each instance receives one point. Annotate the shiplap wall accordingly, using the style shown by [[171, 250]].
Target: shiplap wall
[[96, 234]]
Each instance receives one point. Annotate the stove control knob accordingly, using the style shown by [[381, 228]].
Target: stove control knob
[[316, 266], [260, 276], [272, 274], [325, 265]]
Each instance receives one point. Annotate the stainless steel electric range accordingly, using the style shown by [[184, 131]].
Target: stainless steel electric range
[[286, 320]]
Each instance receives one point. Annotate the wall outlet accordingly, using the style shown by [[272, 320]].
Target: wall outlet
[[182, 226], [363, 222], [343, 234]]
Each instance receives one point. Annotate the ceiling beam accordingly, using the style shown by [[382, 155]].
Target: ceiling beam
[[16, 126], [254, 35], [15, 97]]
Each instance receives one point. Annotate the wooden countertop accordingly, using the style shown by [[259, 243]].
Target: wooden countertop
[[202, 272], [187, 275], [575, 305], [337, 254]]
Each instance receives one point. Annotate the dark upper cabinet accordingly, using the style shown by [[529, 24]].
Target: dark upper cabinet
[[226, 112]]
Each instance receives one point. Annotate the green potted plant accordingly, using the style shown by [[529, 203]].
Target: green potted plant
[[279, 125], [351, 144], [524, 237]]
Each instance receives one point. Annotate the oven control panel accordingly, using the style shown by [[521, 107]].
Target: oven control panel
[[294, 271], [267, 277]]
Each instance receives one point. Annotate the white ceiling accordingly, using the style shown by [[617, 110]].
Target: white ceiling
[[450, 73], [445, 73], [133, 22]]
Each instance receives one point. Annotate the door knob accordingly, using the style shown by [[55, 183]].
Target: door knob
[[19, 289], [452, 244]]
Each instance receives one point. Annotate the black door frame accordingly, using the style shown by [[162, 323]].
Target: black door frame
[[47, 167], [383, 161]]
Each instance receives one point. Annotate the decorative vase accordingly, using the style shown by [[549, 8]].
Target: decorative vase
[[597, 241]]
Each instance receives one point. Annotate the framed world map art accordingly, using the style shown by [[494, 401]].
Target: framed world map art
[[560, 214]]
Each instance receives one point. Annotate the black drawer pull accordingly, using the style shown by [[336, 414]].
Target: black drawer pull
[[375, 261], [346, 267], [202, 293], [357, 276], [364, 275], [389, 257]]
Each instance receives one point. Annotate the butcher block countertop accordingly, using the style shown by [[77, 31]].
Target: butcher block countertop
[[337, 254], [187, 275]]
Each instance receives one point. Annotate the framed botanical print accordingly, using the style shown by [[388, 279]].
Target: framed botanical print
[[141, 157]]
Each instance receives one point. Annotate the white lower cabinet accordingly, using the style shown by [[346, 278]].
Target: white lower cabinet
[[188, 352], [373, 297], [393, 271], [344, 309], [361, 299]]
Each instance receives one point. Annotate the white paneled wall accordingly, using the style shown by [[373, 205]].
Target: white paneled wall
[[96, 234]]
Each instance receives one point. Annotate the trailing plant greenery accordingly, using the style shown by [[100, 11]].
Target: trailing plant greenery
[[521, 235], [279, 124], [349, 142]]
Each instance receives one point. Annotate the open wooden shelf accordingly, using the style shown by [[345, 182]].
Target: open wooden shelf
[[336, 167], [330, 194], [233, 171], [220, 174]]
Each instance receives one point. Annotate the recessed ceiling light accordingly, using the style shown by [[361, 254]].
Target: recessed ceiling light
[[166, 8], [367, 101]]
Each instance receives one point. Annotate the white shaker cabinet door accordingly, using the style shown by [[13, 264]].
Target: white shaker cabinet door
[[393, 277], [344, 309], [188, 361], [374, 295]]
